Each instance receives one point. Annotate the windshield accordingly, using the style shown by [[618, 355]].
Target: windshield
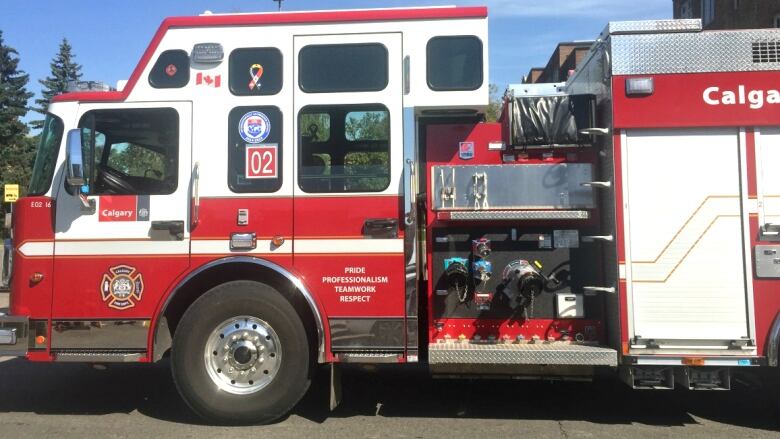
[[46, 158]]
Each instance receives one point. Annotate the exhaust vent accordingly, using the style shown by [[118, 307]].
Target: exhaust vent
[[766, 51]]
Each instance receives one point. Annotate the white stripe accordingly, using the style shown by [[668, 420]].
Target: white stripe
[[99, 248], [349, 246], [622, 271], [222, 246], [200, 247], [37, 248]]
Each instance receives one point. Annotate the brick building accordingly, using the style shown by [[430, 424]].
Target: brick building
[[565, 58], [730, 14]]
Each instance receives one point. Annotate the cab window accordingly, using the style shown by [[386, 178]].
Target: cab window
[[134, 151], [344, 148]]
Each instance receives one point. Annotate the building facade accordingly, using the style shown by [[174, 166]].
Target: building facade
[[730, 14], [564, 60]]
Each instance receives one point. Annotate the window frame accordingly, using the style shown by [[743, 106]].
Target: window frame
[[428, 63], [109, 143], [187, 70], [386, 78], [280, 155], [347, 108]]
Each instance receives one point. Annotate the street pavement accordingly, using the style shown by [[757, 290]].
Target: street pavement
[[75, 400]]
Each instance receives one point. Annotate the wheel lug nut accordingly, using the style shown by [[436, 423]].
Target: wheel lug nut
[[234, 338], [232, 370]]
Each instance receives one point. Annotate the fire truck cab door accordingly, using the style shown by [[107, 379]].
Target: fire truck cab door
[[115, 263], [349, 163]]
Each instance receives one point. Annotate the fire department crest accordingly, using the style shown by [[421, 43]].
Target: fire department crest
[[122, 287]]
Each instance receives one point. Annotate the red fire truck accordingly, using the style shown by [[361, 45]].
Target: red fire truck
[[272, 192]]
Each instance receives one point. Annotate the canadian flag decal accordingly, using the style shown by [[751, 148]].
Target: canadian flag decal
[[211, 81]]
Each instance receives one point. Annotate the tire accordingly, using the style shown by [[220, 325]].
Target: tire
[[266, 372]]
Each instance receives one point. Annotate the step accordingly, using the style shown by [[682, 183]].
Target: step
[[546, 353]]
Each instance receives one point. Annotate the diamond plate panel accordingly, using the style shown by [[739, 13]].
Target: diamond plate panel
[[722, 51], [654, 26], [531, 354], [519, 215]]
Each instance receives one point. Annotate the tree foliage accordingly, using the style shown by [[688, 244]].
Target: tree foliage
[[17, 151], [494, 106], [63, 70]]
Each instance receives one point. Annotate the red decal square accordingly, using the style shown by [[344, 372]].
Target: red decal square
[[117, 208], [261, 161]]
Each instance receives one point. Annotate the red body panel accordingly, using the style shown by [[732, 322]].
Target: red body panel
[[33, 222], [343, 219], [678, 101]]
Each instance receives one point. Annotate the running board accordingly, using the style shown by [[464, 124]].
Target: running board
[[542, 353], [98, 356]]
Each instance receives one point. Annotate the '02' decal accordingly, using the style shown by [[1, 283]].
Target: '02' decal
[[122, 287]]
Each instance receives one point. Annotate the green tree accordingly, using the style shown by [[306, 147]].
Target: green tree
[[63, 70], [16, 149], [494, 106]]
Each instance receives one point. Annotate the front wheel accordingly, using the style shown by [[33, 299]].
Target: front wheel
[[240, 354]]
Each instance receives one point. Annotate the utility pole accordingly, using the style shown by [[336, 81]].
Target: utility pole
[[279, 2]]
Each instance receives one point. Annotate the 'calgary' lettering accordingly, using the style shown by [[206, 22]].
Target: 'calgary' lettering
[[113, 213], [753, 98]]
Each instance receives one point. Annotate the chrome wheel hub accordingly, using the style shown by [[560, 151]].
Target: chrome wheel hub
[[242, 355]]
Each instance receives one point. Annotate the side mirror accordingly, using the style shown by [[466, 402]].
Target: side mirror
[[75, 171], [75, 160]]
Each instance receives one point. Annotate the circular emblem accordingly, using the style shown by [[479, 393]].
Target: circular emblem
[[254, 127], [121, 287], [143, 212], [170, 70]]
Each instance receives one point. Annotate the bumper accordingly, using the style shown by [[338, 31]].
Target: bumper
[[14, 336]]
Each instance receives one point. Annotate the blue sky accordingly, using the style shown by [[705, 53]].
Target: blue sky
[[109, 36]]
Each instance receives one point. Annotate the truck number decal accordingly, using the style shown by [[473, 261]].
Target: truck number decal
[[261, 161]]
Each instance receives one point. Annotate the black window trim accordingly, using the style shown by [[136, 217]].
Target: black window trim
[[351, 90], [158, 87], [106, 151], [428, 60], [279, 145], [281, 59], [298, 161]]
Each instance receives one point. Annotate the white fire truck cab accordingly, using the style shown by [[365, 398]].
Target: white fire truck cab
[[270, 192]]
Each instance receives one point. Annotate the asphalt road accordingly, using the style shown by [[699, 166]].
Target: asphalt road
[[74, 400]]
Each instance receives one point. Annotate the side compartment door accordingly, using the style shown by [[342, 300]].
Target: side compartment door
[[348, 212], [685, 248], [112, 266]]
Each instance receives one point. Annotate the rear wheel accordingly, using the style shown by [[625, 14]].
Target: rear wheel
[[240, 354]]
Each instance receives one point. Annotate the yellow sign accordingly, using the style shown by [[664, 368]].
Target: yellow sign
[[11, 193]]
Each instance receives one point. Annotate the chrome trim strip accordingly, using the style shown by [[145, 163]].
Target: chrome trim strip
[[263, 263], [100, 334]]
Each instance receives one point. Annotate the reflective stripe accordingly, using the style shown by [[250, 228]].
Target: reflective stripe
[[200, 247], [349, 246]]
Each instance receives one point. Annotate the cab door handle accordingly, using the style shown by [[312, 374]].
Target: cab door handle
[[380, 228], [175, 228]]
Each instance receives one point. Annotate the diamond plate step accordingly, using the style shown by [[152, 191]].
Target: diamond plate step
[[556, 353]]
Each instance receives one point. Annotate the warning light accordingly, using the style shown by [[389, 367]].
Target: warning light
[[40, 340], [277, 240], [36, 278]]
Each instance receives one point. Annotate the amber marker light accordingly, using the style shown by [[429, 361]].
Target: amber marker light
[[36, 277], [277, 240], [40, 339], [693, 361]]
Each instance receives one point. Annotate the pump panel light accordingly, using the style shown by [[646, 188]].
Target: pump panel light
[[639, 86], [207, 53]]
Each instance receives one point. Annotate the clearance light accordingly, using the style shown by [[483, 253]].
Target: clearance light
[[277, 241], [207, 53], [39, 340], [639, 86], [36, 278]]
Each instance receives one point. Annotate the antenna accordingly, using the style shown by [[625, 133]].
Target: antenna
[[279, 2]]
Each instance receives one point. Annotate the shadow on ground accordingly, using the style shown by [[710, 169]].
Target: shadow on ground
[[77, 389]]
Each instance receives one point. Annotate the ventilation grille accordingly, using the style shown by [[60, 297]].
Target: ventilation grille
[[766, 51]]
